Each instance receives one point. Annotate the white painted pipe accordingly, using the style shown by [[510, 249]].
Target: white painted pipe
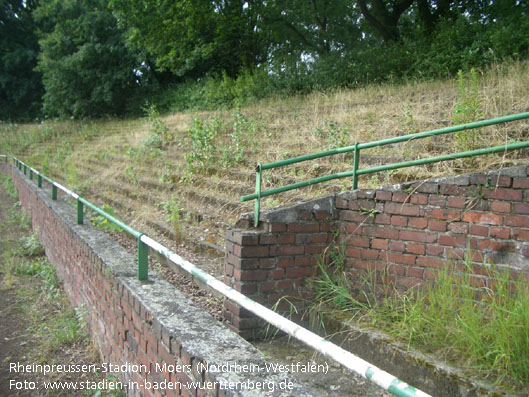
[[347, 359]]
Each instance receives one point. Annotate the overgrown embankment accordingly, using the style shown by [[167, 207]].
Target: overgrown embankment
[[180, 176]]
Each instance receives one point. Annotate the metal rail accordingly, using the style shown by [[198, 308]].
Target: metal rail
[[355, 172], [324, 346], [143, 259]]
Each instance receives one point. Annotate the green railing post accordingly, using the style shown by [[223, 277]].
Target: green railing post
[[53, 192], [79, 212], [356, 163], [143, 260], [39, 180], [30, 174], [257, 202], [25, 170]]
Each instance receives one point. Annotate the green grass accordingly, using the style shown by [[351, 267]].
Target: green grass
[[484, 332]]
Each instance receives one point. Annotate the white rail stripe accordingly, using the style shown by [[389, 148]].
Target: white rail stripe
[[347, 359]]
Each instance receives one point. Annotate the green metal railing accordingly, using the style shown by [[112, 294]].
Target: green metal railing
[[355, 172], [143, 250]]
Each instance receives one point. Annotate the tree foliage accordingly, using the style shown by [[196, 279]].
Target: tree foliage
[[20, 85], [86, 66], [98, 57]]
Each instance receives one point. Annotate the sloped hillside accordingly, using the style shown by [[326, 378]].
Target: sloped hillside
[[179, 177]]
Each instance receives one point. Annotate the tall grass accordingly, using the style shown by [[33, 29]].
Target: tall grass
[[484, 331]]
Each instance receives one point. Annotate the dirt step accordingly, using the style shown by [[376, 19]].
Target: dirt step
[[170, 234]]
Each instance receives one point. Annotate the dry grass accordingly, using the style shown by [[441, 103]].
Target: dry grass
[[139, 186]]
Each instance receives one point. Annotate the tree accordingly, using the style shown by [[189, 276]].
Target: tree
[[20, 86], [192, 38], [384, 16], [87, 69]]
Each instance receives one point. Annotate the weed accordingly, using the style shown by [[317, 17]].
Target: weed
[[484, 330], [174, 208], [370, 212], [203, 154], [407, 121], [241, 141], [477, 197], [131, 175], [19, 217], [30, 245], [336, 134], [467, 109], [160, 135], [10, 188], [102, 222]]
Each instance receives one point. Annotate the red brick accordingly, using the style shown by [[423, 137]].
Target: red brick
[[354, 216], [434, 250], [295, 272], [305, 215], [321, 215], [503, 194], [401, 221], [250, 275], [457, 241], [477, 230], [402, 209], [438, 226], [253, 251], [383, 195], [496, 245], [285, 262], [456, 202], [380, 244], [500, 206], [358, 242], [302, 261], [437, 201], [397, 269], [458, 227], [431, 262], [401, 258], [483, 217], [418, 249], [444, 214], [521, 208], [320, 238], [416, 272], [400, 197], [353, 252], [341, 203], [304, 227], [418, 223], [275, 274], [422, 237], [382, 219], [520, 235], [267, 286], [421, 199], [517, 221], [397, 246], [369, 254], [500, 232], [354, 229], [285, 250], [520, 183], [277, 228]]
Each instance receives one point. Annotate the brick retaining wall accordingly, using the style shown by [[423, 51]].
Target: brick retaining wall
[[408, 231], [143, 324]]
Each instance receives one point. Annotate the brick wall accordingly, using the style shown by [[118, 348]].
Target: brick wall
[[408, 231], [274, 261], [140, 324]]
